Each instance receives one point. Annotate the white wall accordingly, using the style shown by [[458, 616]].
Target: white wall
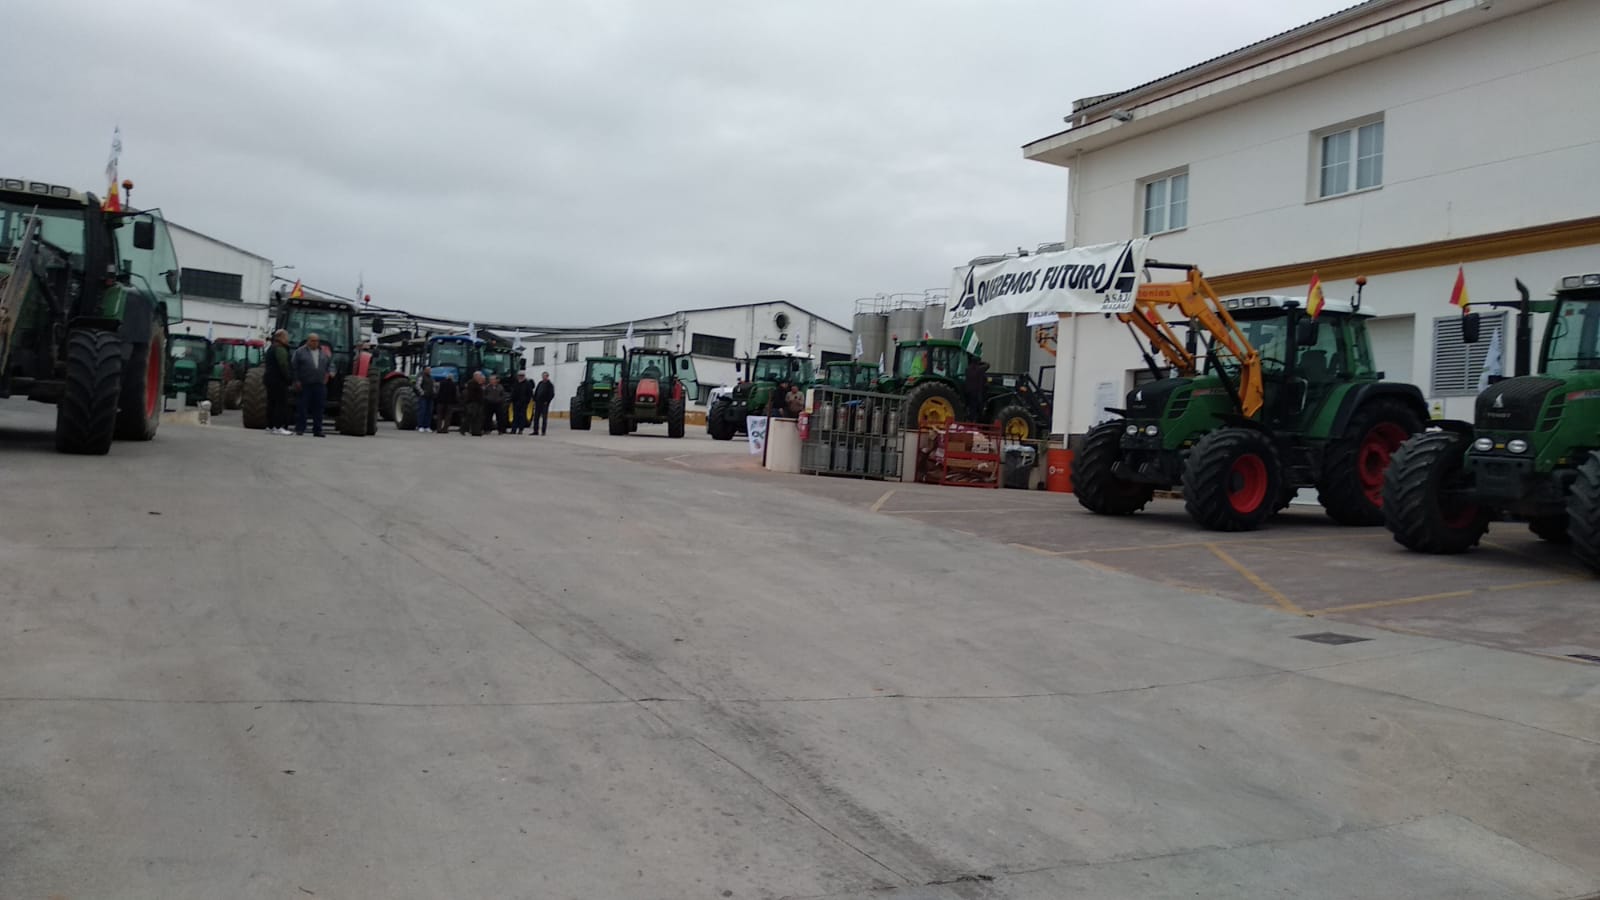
[[247, 318]]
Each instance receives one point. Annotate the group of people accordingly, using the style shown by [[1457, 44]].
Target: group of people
[[483, 404]]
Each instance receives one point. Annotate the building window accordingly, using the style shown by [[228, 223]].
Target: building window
[[538, 356], [215, 285], [1457, 366], [1350, 158], [711, 345], [1166, 202], [610, 347], [829, 356], [652, 342], [572, 353]]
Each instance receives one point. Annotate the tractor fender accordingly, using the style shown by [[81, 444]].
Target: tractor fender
[[363, 363], [1454, 426], [1234, 420], [1361, 394], [136, 319]]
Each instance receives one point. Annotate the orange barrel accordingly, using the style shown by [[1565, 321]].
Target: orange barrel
[[1059, 476]]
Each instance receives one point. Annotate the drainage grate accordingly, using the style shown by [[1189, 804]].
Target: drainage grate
[[1331, 637], [1586, 657]]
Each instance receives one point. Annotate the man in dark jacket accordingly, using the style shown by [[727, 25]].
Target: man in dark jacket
[[977, 384], [277, 375], [444, 404], [494, 405], [427, 390], [472, 409], [542, 395], [313, 369], [521, 396]]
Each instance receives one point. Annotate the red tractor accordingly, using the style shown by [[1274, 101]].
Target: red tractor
[[232, 360], [656, 386]]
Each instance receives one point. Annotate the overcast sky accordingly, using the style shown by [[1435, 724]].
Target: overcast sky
[[593, 160]]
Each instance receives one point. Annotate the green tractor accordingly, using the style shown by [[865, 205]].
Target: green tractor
[[500, 357], [848, 375], [1533, 453], [353, 392], [593, 399], [84, 312], [231, 360], [1287, 400], [189, 365], [655, 387], [931, 375], [726, 417]]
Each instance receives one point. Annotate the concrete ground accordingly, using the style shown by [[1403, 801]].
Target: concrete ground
[[235, 665]]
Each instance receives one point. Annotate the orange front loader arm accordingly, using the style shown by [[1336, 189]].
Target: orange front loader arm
[[1197, 302]]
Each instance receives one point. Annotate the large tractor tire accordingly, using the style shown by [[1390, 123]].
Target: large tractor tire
[[1016, 423], [1552, 529], [86, 414], [1234, 480], [934, 404], [355, 404], [139, 408], [405, 409], [374, 390], [1351, 487], [1098, 489], [233, 394], [619, 416], [720, 423], [1414, 508], [214, 396], [578, 418], [675, 417], [253, 403], [1583, 513]]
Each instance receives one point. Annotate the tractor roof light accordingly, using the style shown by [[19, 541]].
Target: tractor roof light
[[1573, 282]]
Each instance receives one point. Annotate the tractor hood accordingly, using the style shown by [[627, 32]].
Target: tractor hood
[[1515, 404], [440, 373], [1149, 401]]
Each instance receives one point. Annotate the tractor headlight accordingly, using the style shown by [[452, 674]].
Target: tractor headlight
[[1131, 430], [1483, 445], [1151, 430], [1517, 446]]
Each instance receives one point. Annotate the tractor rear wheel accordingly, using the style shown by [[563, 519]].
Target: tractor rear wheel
[[934, 404], [579, 417], [619, 415], [1552, 529], [139, 410], [1583, 513], [1415, 508], [86, 414], [1351, 487], [405, 408], [253, 404], [354, 405], [374, 389], [386, 394], [232, 394], [720, 424], [214, 395], [1234, 480], [675, 414], [1016, 423], [1099, 490]]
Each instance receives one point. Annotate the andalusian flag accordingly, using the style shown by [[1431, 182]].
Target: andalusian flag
[[1458, 294], [113, 202], [296, 292], [1314, 298], [970, 342]]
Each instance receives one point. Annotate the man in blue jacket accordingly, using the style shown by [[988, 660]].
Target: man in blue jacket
[[313, 369]]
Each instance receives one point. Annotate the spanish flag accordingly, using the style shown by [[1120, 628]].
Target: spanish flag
[[1314, 298], [113, 201], [1458, 294], [296, 292]]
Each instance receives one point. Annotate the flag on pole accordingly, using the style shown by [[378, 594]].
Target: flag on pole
[[113, 202], [970, 342], [361, 288], [1458, 294], [1494, 363], [296, 292], [211, 331], [627, 340], [860, 350], [1314, 298]]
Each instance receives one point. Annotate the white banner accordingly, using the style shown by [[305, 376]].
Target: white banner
[[755, 429], [1098, 279]]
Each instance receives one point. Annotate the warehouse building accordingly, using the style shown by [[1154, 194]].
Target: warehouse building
[[225, 289], [1397, 139], [718, 337]]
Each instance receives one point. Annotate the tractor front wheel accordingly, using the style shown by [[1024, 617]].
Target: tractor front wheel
[[1234, 480], [1098, 488], [214, 396], [405, 408], [1016, 423], [675, 416], [720, 423], [579, 417], [934, 404], [253, 404], [1351, 487], [86, 414], [1416, 506], [1551, 529], [354, 404], [232, 394], [619, 415], [386, 396], [139, 411], [1583, 513]]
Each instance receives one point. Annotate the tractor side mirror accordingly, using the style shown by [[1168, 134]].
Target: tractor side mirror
[[1307, 332], [172, 280], [377, 324], [144, 234], [1470, 328]]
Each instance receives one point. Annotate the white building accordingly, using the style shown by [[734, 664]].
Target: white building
[[1397, 139], [717, 337], [225, 288]]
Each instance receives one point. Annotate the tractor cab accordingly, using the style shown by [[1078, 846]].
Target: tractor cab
[[848, 375], [592, 400], [500, 360], [454, 356], [916, 360], [233, 357], [189, 362], [334, 322]]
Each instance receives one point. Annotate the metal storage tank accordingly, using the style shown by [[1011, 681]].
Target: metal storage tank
[[905, 324], [933, 321], [872, 328], [1006, 342]]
